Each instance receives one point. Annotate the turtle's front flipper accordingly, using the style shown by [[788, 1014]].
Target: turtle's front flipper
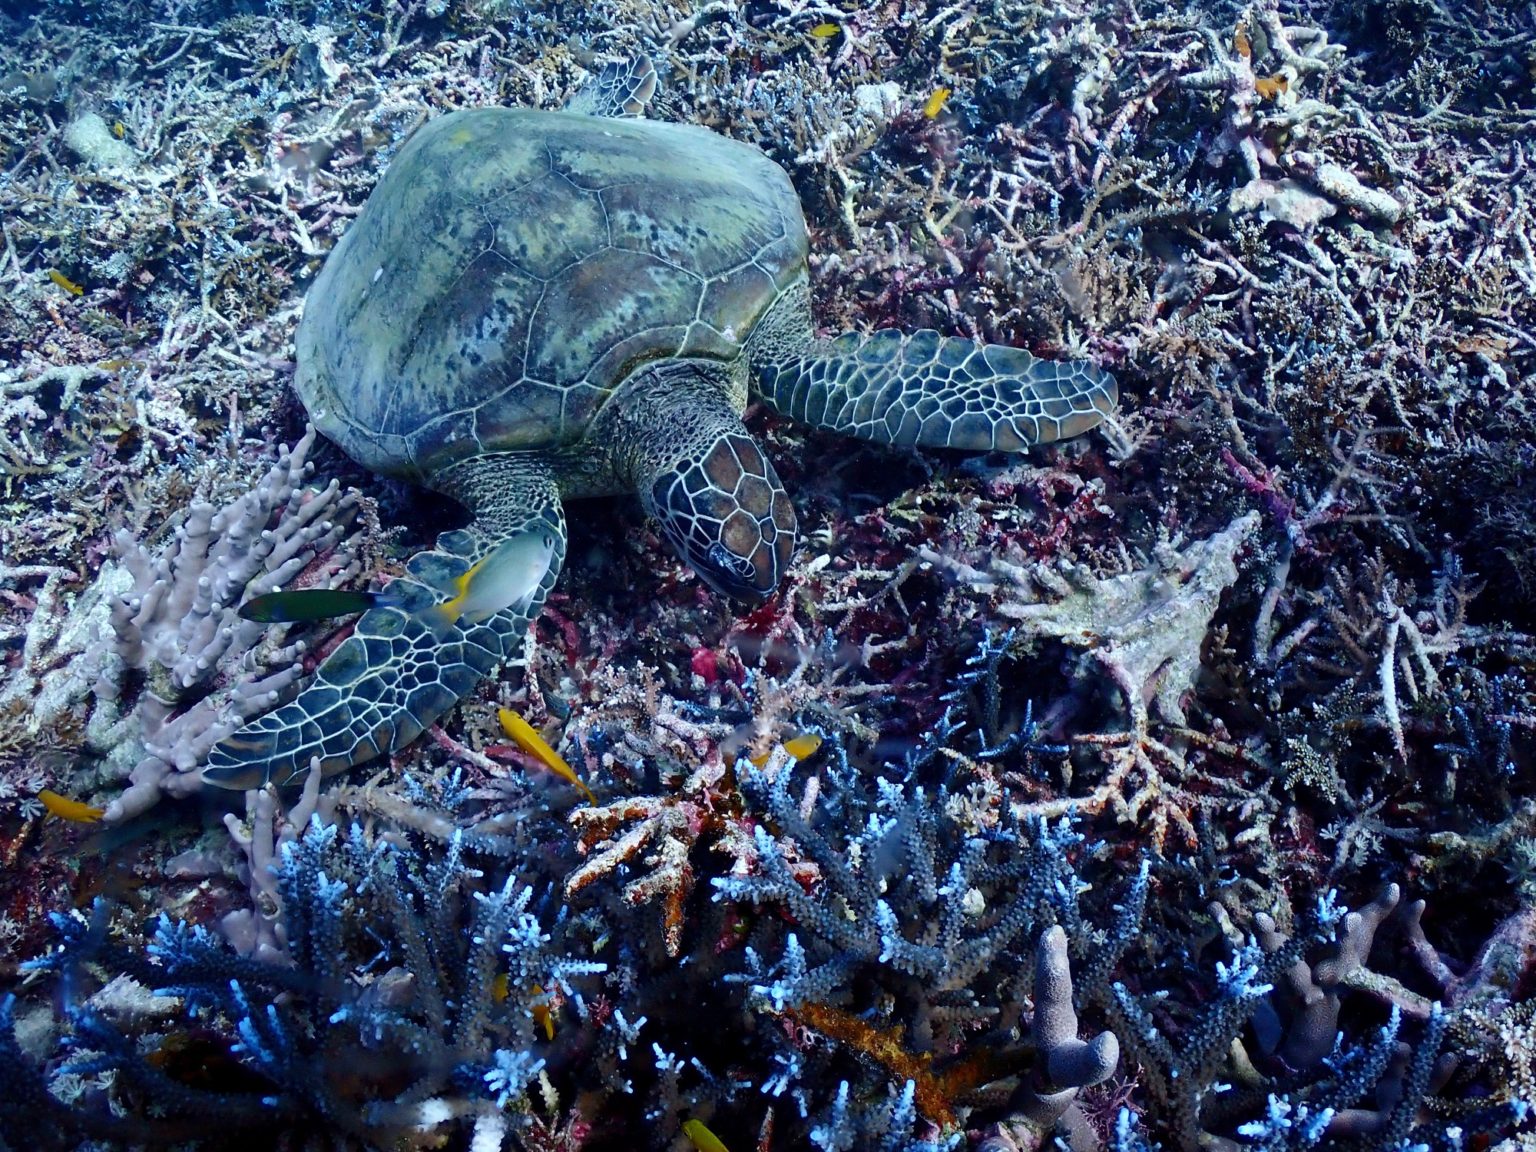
[[931, 390], [408, 662]]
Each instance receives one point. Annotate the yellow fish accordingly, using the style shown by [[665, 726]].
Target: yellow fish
[[701, 1137], [501, 988], [799, 747], [66, 809], [65, 282], [935, 103], [531, 742], [542, 1015], [508, 575], [825, 31]]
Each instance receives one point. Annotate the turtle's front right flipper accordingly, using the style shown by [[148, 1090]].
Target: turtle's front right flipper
[[460, 612], [924, 389], [375, 694]]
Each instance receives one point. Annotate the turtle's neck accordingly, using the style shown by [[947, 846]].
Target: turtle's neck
[[667, 412]]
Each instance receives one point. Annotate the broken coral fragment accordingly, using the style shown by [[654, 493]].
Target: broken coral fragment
[[1146, 627], [89, 138], [1287, 201]]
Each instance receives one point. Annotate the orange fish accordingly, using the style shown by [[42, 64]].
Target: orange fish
[[66, 809], [501, 988], [531, 742], [799, 747]]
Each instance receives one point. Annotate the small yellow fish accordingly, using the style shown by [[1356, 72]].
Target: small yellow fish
[[826, 31], [799, 747], [531, 742], [501, 988], [118, 130], [66, 809], [65, 282], [701, 1137], [508, 575], [935, 103], [543, 1015]]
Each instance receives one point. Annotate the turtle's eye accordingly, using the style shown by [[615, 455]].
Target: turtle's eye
[[733, 574], [728, 563]]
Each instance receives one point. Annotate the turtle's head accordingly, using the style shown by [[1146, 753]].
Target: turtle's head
[[726, 513]]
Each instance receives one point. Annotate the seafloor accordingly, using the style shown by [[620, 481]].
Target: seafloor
[[1096, 744]]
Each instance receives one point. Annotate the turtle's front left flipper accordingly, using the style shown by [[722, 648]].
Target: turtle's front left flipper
[[462, 610], [924, 389]]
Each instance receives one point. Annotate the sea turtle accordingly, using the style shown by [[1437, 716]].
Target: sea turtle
[[534, 306]]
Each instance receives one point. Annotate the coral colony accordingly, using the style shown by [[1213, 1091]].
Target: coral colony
[[1168, 787]]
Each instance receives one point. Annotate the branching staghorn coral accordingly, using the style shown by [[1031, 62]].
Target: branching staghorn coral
[[401, 1006], [911, 954], [1287, 1068]]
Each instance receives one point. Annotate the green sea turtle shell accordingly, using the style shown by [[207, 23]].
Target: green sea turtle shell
[[512, 267]]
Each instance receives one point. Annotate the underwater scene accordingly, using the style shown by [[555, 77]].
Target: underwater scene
[[768, 575]]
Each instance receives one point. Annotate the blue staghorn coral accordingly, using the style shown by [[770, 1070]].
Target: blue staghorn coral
[[946, 975], [404, 1006]]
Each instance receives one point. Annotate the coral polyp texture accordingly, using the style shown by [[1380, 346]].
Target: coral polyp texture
[[1169, 787]]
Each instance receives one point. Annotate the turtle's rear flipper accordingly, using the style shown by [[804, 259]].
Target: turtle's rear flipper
[[924, 389], [405, 665]]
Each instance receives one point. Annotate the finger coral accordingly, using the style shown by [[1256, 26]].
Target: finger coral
[[183, 670]]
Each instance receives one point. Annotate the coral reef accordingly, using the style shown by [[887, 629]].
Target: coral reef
[[203, 669], [1027, 812], [391, 1029]]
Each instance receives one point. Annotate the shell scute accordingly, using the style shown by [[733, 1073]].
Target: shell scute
[[724, 292], [512, 266], [608, 299], [548, 226], [702, 340]]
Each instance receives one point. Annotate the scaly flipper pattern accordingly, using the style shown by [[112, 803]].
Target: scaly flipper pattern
[[921, 389], [401, 668], [621, 89], [924, 389]]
